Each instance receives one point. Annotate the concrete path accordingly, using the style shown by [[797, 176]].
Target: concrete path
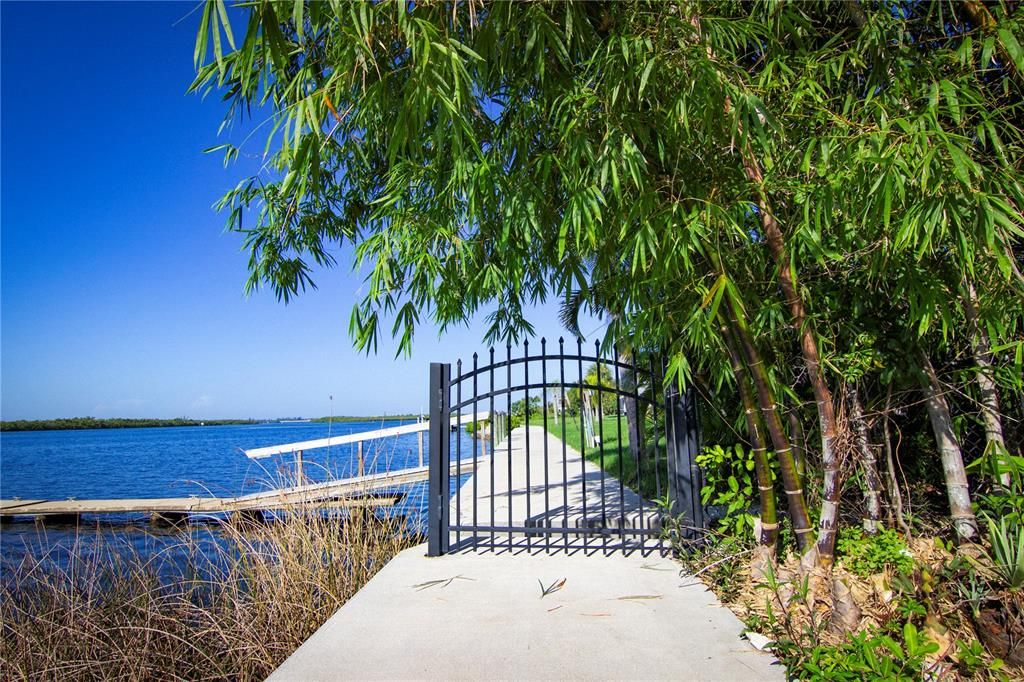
[[483, 615], [532, 481]]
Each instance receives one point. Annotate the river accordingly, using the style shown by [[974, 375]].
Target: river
[[175, 462]]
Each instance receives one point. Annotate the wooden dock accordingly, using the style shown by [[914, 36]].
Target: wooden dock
[[356, 492]]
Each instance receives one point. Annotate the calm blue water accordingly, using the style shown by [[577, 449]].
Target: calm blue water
[[177, 462]]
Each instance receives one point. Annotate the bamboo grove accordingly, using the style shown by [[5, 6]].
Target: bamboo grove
[[814, 208]]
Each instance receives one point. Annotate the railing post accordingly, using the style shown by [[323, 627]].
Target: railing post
[[685, 478], [438, 487]]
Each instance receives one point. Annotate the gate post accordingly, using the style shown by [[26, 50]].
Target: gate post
[[438, 490], [685, 478]]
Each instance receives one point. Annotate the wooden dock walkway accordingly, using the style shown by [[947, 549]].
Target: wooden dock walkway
[[358, 491]]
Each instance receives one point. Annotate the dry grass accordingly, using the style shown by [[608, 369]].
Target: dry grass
[[234, 609]]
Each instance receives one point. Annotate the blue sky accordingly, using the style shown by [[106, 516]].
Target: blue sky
[[121, 292]]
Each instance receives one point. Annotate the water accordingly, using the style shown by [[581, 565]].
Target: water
[[176, 462]]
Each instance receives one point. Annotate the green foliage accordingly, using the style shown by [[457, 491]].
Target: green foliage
[[115, 423], [491, 159], [730, 483], [1006, 538], [866, 555], [996, 501], [973, 661], [519, 407], [888, 652], [478, 160], [594, 377], [872, 655], [973, 591], [472, 427]]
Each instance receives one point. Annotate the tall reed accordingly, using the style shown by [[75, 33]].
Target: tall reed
[[234, 608]]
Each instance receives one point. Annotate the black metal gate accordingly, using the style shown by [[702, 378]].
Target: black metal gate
[[559, 450]]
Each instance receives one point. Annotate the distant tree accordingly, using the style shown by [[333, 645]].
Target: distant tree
[[519, 407]]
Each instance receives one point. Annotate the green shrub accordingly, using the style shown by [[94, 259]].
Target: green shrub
[[1007, 553], [871, 655], [997, 501], [869, 554], [481, 424], [730, 483]]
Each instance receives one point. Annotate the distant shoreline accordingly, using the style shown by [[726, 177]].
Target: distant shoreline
[[81, 423]]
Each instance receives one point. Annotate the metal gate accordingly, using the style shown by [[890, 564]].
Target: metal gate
[[559, 450]]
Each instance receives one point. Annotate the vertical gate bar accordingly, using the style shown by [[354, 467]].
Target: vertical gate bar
[[583, 442], [691, 474], [446, 452], [672, 449], [458, 451], [618, 431], [437, 486], [600, 439], [508, 405], [655, 378], [699, 474], [526, 418], [565, 464], [640, 416], [544, 407], [494, 453], [669, 433], [476, 462]]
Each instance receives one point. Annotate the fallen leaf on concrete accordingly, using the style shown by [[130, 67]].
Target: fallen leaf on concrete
[[443, 582], [555, 608], [654, 567], [553, 587], [641, 596], [596, 615]]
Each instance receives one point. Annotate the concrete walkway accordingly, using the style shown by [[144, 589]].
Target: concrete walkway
[[533, 481], [484, 615]]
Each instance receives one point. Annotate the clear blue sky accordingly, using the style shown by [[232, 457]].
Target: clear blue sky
[[121, 293]]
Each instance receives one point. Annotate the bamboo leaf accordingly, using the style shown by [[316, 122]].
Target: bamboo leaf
[[202, 36], [1012, 47], [222, 10]]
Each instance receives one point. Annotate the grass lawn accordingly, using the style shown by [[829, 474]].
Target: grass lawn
[[616, 452]]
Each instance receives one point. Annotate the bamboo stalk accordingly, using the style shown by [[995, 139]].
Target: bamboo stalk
[[769, 529], [995, 444], [890, 463], [769, 412], [957, 491], [830, 457], [872, 481], [799, 440]]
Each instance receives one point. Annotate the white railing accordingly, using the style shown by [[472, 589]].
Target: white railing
[[349, 438]]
